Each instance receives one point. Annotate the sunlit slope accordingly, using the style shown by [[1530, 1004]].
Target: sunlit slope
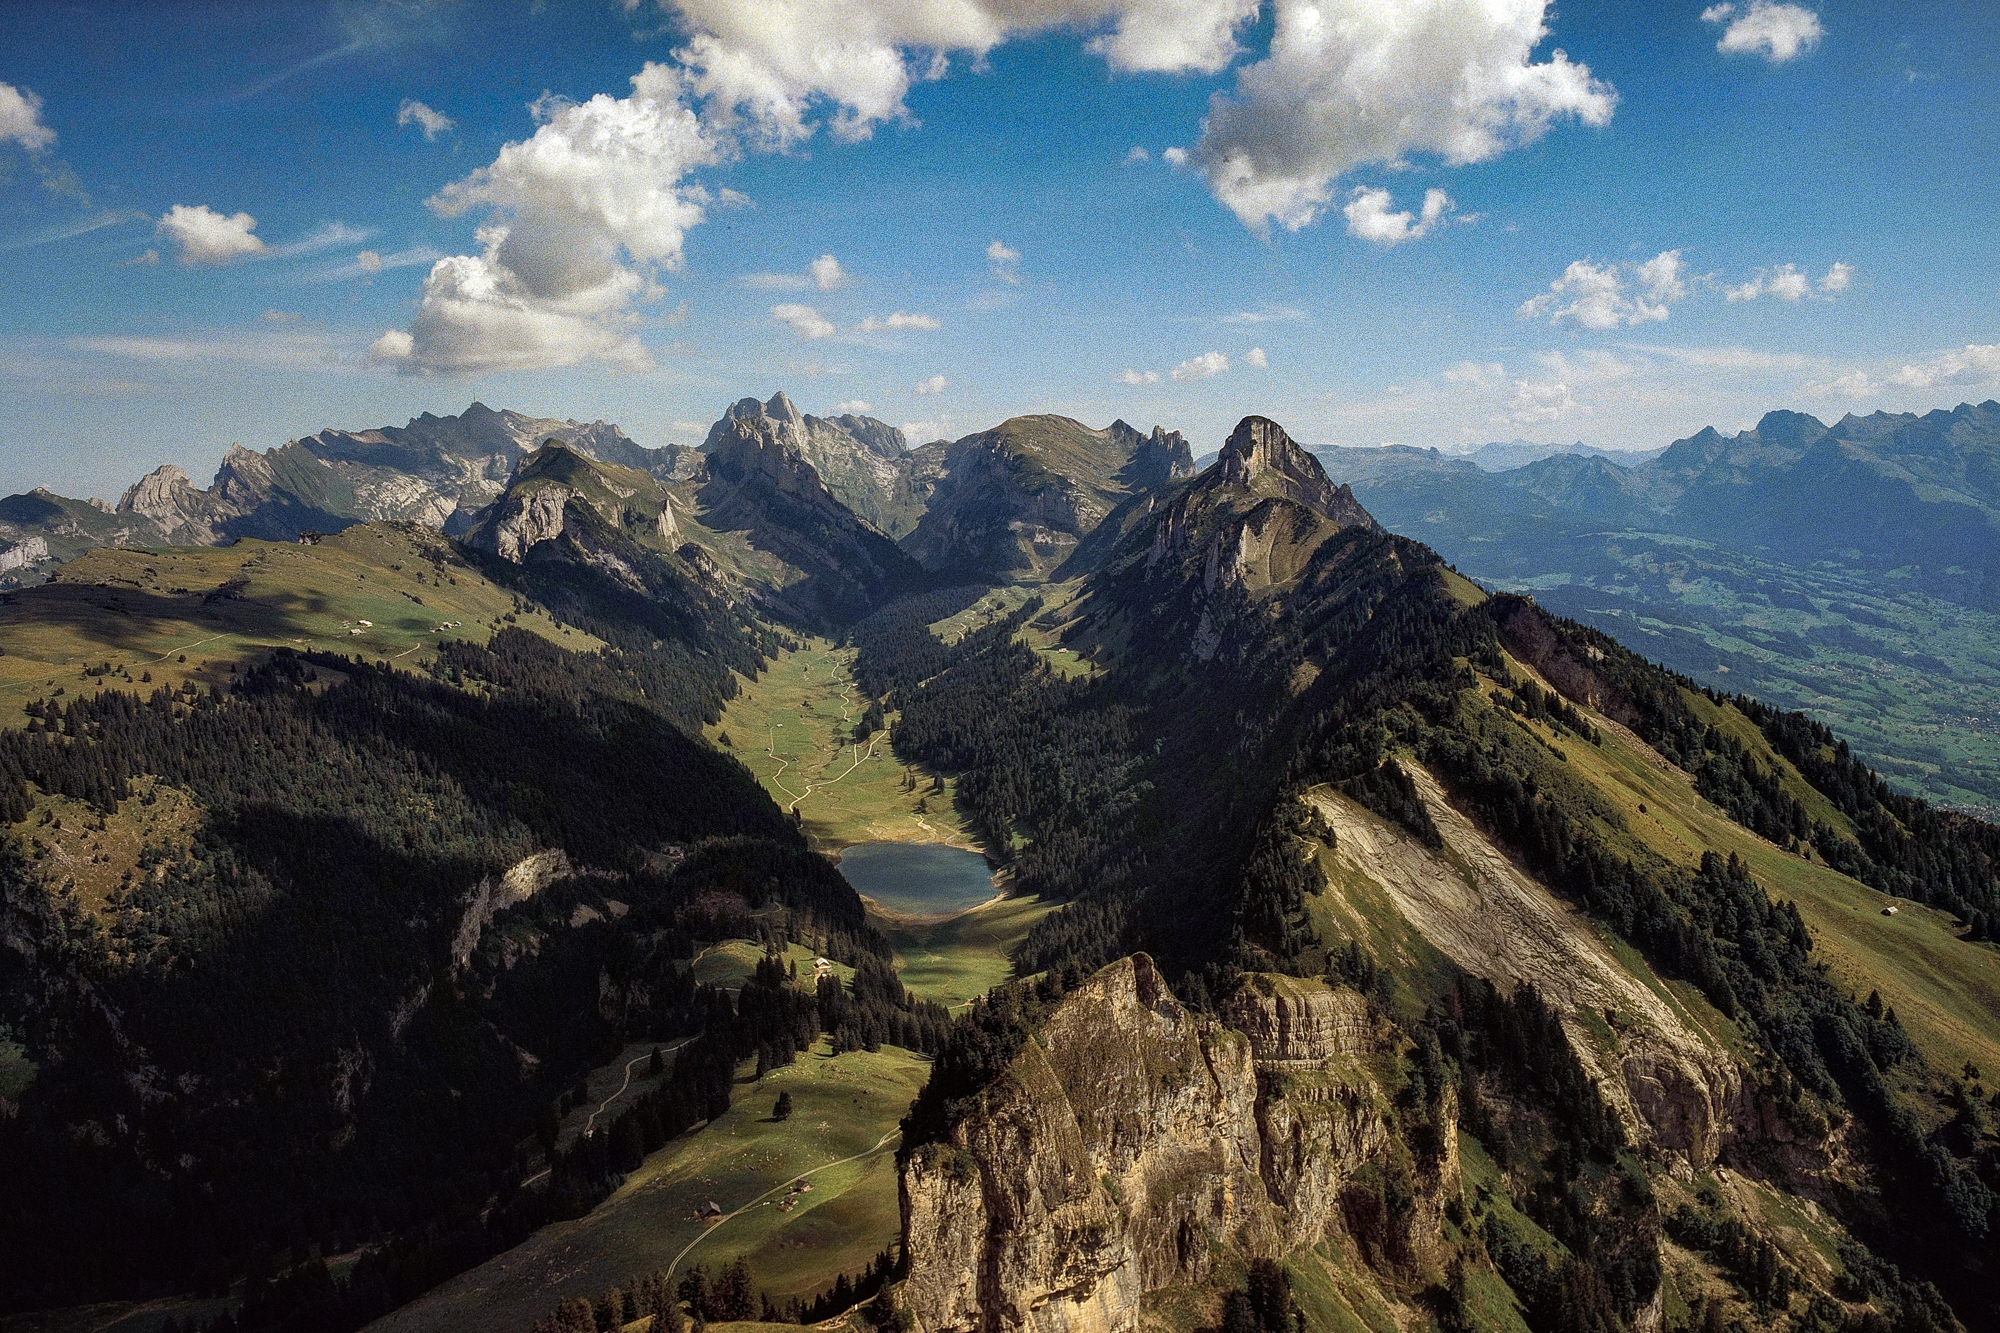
[[795, 725], [381, 590], [1945, 990], [844, 1107]]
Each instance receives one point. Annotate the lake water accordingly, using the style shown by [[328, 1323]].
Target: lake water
[[920, 878]]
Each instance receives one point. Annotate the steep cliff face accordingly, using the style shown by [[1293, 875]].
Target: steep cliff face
[[1131, 1138], [1022, 496], [833, 565], [862, 461]]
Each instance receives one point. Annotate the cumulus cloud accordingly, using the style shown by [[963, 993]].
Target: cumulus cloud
[[1784, 282], [857, 406], [1138, 377], [935, 384], [1206, 366], [433, 123], [1370, 217], [1597, 297], [1174, 157], [803, 320], [1777, 32], [1004, 262], [1137, 154], [896, 321], [581, 216], [1353, 82], [824, 273], [769, 69], [204, 236], [1255, 357], [1836, 279], [827, 273], [1975, 364], [21, 119], [1536, 402]]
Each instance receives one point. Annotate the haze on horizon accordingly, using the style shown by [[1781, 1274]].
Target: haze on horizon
[[1432, 222]]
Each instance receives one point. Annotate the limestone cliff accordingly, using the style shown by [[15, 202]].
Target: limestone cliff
[[1131, 1139]]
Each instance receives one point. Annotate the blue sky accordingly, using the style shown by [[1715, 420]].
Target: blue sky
[[1379, 222]]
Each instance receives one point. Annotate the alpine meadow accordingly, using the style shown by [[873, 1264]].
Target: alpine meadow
[[1475, 815]]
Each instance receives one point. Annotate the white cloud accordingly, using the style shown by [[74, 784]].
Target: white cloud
[[765, 69], [1269, 314], [363, 266], [1477, 374], [434, 123], [1255, 357], [146, 258], [1595, 295], [1353, 82], [1138, 377], [1663, 277], [827, 273], [327, 236], [896, 321], [205, 236], [1206, 366], [1369, 217], [805, 321], [393, 346], [935, 384], [1836, 279], [1784, 282], [275, 348], [1778, 32], [1174, 157], [1137, 154], [1004, 261], [21, 119], [1538, 402], [824, 273], [857, 406], [584, 213], [1975, 364]]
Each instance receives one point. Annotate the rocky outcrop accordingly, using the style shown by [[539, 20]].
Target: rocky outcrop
[[1260, 457], [758, 484], [862, 461], [525, 521], [21, 554], [1131, 1139], [184, 513], [495, 894]]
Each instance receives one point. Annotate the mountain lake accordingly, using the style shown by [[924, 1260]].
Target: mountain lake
[[918, 878]]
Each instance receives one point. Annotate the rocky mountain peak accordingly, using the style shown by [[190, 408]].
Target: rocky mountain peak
[[780, 408], [1793, 429], [1260, 456], [154, 494]]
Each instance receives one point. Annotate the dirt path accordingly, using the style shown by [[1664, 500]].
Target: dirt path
[[622, 1089], [765, 1196]]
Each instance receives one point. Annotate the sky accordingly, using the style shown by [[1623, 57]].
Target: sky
[[1423, 222]]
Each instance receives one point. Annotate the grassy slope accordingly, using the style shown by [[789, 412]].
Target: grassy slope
[[842, 1106], [1945, 991], [143, 610], [793, 726]]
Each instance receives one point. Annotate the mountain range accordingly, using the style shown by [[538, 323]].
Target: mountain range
[[413, 919]]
